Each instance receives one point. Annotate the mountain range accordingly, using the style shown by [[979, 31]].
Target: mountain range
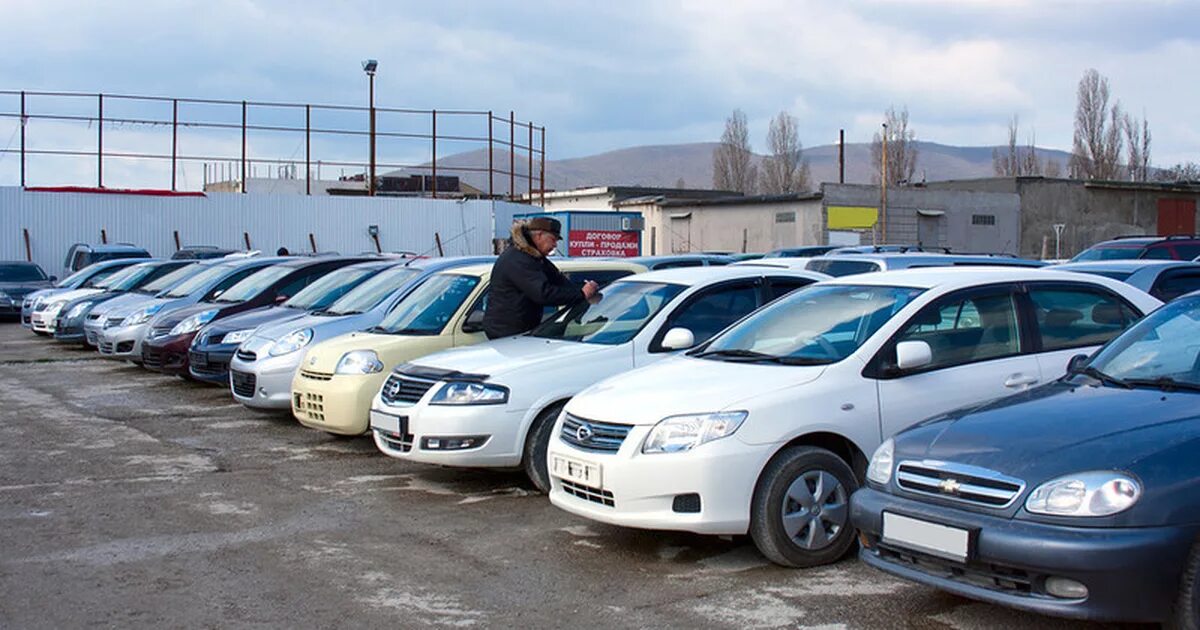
[[666, 165]]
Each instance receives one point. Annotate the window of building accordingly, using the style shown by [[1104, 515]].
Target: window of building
[[983, 219]]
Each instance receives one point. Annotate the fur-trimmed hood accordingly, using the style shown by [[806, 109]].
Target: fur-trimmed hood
[[520, 239]]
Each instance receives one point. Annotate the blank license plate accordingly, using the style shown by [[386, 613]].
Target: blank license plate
[[575, 470], [951, 543], [387, 423]]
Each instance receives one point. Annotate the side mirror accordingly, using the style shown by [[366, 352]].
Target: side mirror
[[911, 355], [280, 299], [678, 339], [474, 322], [53, 278], [1075, 365]]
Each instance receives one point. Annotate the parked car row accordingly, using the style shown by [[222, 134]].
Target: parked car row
[[945, 406]]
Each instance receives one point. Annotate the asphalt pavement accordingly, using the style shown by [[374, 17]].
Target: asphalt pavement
[[130, 499]]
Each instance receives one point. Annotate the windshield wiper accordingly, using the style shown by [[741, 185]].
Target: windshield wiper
[[1105, 378], [409, 331], [738, 353], [1165, 383]]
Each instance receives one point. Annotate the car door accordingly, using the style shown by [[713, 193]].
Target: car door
[[1073, 319], [979, 353], [706, 313]]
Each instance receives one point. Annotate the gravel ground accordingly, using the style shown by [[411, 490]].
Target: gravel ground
[[131, 499]]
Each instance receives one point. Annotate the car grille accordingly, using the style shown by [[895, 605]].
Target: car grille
[[243, 383], [593, 436], [91, 317], [113, 322], [309, 405], [1008, 580], [405, 389], [316, 376], [203, 365], [152, 358], [160, 331], [587, 493], [959, 482], [91, 337], [402, 443], [247, 355]]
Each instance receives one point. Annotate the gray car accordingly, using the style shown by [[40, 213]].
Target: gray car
[[1164, 279], [261, 371], [84, 278]]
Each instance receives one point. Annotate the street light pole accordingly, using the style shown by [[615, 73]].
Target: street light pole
[[369, 67], [883, 181]]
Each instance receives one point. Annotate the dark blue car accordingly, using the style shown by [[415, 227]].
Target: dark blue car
[[1080, 498]]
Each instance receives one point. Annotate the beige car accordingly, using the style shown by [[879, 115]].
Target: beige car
[[337, 379]]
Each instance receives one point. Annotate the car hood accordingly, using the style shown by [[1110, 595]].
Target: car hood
[[73, 294], [18, 290], [174, 316], [254, 318], [1059, 428], [513, 354], [685, 385], [122, 304]]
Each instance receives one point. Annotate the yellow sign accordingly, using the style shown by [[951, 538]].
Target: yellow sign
[[852, 217]]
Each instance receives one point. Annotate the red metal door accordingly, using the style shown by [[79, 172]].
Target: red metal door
[[1176, 216]]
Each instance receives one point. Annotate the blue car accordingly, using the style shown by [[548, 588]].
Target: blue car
[[1080, 498]]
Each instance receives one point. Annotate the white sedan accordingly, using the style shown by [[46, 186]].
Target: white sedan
[[493, 405], [767, 428]]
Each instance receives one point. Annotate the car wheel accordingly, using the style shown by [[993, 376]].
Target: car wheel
[[537, 442], [1186, 615], [41, 334], [800, 515]]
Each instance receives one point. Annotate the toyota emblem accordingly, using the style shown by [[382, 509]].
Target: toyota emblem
[[584, 433], [312, 361]]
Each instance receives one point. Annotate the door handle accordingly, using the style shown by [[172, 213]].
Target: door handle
[[1020, 380]]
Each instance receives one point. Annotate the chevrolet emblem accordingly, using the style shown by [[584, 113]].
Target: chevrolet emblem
[[949, 486]]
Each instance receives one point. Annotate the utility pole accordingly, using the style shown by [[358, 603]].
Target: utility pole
[[369, 66], [883, 182]]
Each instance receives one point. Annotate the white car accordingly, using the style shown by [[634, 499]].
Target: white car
[[768, 428], [493, 405]]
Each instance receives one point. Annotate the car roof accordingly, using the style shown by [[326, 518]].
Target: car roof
[[563, 264], [24, 263], [962, 277], [119, 247], [650, 260], [1123, 265], [701, 275], [255, 260], [447, 262], [917, 257]]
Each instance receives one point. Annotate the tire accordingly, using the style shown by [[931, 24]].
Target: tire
[[537, 442], [1186, 613], [810, 537], [41, 334]]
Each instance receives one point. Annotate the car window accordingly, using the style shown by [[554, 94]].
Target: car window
[[328, 288], [369, 294], [169, 280], [254, 284], [778, 287], [21, 273], [967, 330], [1123, 252], [1186, 252], [1158, 253], [1074, 317], [297, 284], [616, 317], [224, 285], [599, 277], [100, 277], [676, 264], [1174, 284], [428, 309], [713, 310], [838, 268]]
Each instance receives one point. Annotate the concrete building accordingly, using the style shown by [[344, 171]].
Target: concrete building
[[1088, 211], [728, 224], [609, 197]]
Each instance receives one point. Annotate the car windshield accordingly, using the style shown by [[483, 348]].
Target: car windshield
[[622, 310], [1108, 253], [1159, 351], [254, 284], [170, 279], [127, 278], [369, 294], [428, 309], [200, 281], [838, 268], [812, 326], [21, 273], [99, 277], [1106, 273], [328, 288]]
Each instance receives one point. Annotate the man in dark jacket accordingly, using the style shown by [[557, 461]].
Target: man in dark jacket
[[524, 280]]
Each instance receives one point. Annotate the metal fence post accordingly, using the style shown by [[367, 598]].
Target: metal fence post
[[100, 141], [23, 121], [529, 171], [491, 169], [542, 174], [434, 162], [308, 149], [512, 154], [244, 157], [174, 138]]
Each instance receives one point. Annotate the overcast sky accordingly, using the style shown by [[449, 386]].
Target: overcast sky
[[607, 75]]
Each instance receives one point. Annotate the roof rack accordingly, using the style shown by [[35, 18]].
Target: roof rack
[[1125, 236]]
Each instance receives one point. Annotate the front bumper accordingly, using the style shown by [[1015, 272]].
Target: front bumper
[[41, 322], [168, 355], [1131, 574], [10, 308], [124, 342], [69, 330], [264, 383], [210, 364], [500, 428], [335, 403], [640, 490]]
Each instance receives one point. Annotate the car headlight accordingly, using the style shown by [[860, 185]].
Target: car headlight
[[237, 336], [142, 316], [294, 341], [359, 362], [193, 323], [470, 394], [78, 310], [683, 433], [1096, 493], [4, 296], [51, 311], [880, 470]]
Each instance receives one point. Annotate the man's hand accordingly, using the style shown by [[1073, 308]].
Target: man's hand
[[590, 288]]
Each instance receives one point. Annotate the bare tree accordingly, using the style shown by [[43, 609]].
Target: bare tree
[[1189, 172], [1096, 151], [1053, 168], [785, 170], [1031, 164], [902, 150], [680, 184], [1137, 135], [732, 165], [1016, 161]]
